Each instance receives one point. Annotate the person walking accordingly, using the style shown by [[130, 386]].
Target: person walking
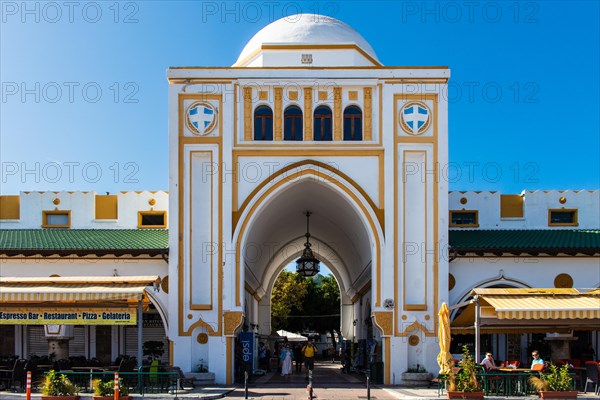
[[298, 357], [308, 352], [287, 356]]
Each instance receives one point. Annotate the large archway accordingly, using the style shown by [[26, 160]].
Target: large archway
[[345, 234]]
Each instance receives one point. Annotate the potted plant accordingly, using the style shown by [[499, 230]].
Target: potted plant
[[106, 390], [463, 384], [556, 384], [417, 376], [56, 386]]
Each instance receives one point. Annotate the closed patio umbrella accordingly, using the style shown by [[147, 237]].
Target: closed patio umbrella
[[444, 358]]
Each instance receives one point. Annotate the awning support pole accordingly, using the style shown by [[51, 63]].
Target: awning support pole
[[140, 319], [477, 332]]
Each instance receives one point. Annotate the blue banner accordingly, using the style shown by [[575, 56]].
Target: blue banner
[[247, 343]]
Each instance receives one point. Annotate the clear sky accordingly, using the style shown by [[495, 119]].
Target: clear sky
[[84, 90]]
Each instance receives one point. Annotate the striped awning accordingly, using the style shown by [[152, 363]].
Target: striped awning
[[545, 307], [15, 290], [549, 310]]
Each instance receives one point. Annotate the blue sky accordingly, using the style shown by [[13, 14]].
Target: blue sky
[[84, 92]]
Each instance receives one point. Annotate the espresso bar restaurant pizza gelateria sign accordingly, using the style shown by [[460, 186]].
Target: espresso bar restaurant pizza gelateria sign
[[68, 316]]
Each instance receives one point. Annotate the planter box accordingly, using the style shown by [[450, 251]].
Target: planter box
[[465, 395], [60, 397], [559, 395], [415, 379], [111, 397]]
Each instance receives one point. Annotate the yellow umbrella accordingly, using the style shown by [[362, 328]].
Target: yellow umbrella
[[444, 359]]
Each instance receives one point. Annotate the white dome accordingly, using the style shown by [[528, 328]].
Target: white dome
[[309, 29]]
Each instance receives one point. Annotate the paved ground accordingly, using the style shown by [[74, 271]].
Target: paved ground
[[329, 384]]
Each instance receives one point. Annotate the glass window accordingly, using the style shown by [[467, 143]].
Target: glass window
[[263, 123], [322, 124], [562, 217], [463, 218], [292, 123], [353, 123]]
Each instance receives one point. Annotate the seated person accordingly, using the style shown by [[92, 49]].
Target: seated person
[[536, 360], [488, 362]]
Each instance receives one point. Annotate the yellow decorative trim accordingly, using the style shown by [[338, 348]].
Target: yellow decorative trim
[[337, 114], [384, 320], [308, 114], [192, 305], [433, 140], [277, 114], [427, 317], [10, 207], [152, 202], [569, 210], [293, 95], [451, 282], [322, 95], [45, 214], [562, 200], [387, 348], [463, 200], [353, 95], [414, 307], [306, 47], [247, 114], [56, 201], [141, 214], [415, 326], [231, 321], [325, 177], [263, 95], [361, 292], [229, 360], [368, 105]]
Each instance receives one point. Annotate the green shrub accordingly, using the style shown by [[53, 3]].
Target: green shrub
[[108, 388], [56, 384], [557, 380]]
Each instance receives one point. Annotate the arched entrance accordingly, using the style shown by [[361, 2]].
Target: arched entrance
[[345, 234]]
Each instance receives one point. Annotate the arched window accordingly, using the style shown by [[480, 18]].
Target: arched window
[[263, 123], [292, 123], [353, 123], [322, 123]]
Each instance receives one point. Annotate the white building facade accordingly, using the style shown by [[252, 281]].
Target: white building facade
[[307, 120]]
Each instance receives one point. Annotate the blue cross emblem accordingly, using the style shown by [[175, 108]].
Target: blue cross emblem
[[201, 117], [415, 117]]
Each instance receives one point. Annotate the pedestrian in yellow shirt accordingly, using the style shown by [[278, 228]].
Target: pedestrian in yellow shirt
[[308, 352]]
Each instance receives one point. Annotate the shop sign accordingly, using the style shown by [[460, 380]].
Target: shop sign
[[67, 316]]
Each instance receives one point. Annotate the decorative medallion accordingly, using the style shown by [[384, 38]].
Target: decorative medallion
[[202, 338], [56, 201], [415, 118], [413, 340], [201, 118], [164, 284], [427, 317], [563, 281], [451, 281], [190, 316], [463, 200], [562, 200], [152, 202]]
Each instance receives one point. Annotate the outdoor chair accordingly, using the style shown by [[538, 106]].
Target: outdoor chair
[[183, 380], [17, 374], [591, 368]]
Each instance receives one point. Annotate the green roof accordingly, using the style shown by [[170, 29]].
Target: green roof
[[84, 241], [548, 241], [156, 241]]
